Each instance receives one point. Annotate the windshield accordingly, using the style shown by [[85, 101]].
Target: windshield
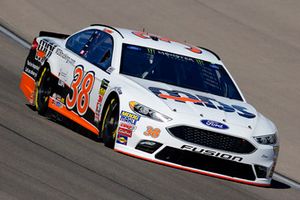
[[178, 70]]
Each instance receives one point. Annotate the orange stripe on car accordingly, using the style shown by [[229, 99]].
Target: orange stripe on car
[[107, 30], [72, 116], [27, 85], [183, 99]]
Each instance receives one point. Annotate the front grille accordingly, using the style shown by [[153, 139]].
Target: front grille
[[207, 163], [212, 139]]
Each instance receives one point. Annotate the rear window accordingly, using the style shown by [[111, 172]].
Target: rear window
[[76, 42]]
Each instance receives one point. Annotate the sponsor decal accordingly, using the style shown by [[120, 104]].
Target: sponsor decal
[[119, 90], [150, 51], [126, 129], [44, 50], [148, 143], [135, 48], [103, 87], [214, 124], [56, 96], [207, 152], [153, 132], [31, 68], [144, 35], [58, 104], [62, 75], [102, 90], [61, 83], [276, 151], [265, 156], [201, 101], [58, 100], [64, 56], [82, 52], [30, 64], [174, 56], [121, 139], [128, 117], [110, 70]]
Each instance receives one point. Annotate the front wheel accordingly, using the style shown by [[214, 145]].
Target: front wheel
[[43, 91], [110, 122]]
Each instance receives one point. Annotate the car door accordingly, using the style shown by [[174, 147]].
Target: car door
[[83, 64], [98, 54]]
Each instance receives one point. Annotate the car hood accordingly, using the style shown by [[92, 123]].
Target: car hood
[[201, 104]]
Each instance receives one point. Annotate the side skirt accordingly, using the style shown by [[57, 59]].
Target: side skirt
[[61, 109]]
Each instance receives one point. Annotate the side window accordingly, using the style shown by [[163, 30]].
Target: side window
[[99, 51], [76, 42]]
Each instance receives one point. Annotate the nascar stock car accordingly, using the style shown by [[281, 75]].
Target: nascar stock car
[[153, 98]]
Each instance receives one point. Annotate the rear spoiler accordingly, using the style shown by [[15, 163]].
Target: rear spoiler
[[52, 34], [218, 57]]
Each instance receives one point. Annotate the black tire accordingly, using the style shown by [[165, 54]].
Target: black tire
[[43, 91], [110, 122]]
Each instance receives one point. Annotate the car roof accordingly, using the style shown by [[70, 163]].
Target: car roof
[[141, 38]]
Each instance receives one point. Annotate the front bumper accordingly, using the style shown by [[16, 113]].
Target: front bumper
[[253, 168]]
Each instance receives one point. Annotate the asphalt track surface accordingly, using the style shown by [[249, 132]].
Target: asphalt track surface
[[42, 159]]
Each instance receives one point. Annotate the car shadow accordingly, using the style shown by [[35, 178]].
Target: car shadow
[[31, 107], [69, 124], [275, 184]]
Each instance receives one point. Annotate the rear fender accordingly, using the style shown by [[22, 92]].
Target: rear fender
[[39, 53], [29, 76]]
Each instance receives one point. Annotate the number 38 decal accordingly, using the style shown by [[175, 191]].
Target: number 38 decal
[[80, 90]]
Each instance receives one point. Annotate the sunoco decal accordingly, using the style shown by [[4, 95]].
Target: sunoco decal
[[201, 101], [121, 139]]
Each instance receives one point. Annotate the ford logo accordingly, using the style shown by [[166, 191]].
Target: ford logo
[[214, 124]]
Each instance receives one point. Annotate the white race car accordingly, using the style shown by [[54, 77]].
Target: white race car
[[152, 98]]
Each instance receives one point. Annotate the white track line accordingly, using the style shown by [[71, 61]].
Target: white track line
[[15, 37], [27, 45], [286, 180]]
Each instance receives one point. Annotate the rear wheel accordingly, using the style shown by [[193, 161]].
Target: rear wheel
[[110, 122], [43, 91]]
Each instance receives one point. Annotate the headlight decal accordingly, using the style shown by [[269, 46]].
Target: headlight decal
[[266, 139], [148, 112]]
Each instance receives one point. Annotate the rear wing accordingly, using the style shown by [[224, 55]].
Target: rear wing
[[52, 34]]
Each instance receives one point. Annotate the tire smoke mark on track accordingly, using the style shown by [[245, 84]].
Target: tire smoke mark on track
[[73, 162]]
